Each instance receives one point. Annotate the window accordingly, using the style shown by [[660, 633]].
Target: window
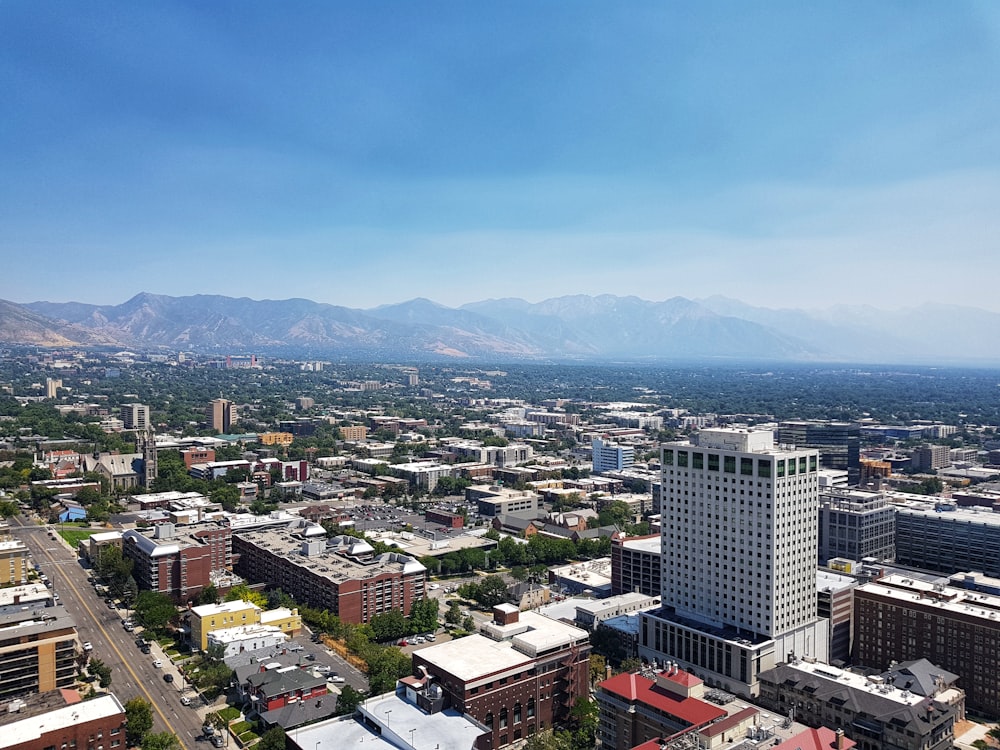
[[746, 467], [517, 713], [503, 718], [697, 460], [668, 458], [764, 468], [713, 461], [682, 458], [729, 464]]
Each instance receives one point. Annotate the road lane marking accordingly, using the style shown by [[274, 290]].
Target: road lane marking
[[121, 656]]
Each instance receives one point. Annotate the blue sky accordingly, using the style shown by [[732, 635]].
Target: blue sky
[[785, 154]]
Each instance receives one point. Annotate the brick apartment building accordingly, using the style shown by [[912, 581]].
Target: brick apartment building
[[635, 709], [61, 719], [520, 675], [342, 574], [179, 563], [913, 706], [899, 618]]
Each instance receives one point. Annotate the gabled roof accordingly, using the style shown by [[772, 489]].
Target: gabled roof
[[634, 687], [815, 739]]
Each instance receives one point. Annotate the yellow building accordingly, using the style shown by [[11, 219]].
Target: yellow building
[[354, 432], [276, 438], [211, 617], [13, 562], [287, 619]]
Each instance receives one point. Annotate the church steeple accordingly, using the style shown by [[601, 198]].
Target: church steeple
[[148, 457]]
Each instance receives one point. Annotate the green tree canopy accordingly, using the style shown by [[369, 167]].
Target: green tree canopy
[[272, 739], [161, 741], [154, 610], [138, 720]]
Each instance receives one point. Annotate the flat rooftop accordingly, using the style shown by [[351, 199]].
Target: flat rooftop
[[312, 553], [905, 589], [22, 732], [395, 717]]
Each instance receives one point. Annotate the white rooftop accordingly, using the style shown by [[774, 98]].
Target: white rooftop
[[475, 656], [871, 684], [208, 610], [396, 718], [946, 598], [245, 632], [644, 545], [26, 731]]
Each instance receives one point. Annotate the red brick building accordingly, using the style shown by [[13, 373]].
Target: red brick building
[[178, 563], [635, 709], [342, 574], [521, 675], [443, 517], [193, 456], [62, 720]]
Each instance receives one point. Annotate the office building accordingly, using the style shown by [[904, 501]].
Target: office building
[[52, 386], [839, 443], [898, 618], [37, 649], [739, 543], [855, 524], [221, 415], [62, 719], [835, 603], [635, 564], [135, 417], [521, 674], [495, 500], [913, 706], [610, 456], [943, 537], [342, 574], [931, 458]]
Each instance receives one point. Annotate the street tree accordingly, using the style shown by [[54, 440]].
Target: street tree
[[138, 720], [160, 741]]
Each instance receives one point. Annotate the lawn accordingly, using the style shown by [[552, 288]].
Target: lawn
[[73, 536]]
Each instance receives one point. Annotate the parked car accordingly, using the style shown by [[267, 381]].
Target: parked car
[[185, 701], [217, 741], [334, 678], [88, 646], [168, 677], [157, 663]]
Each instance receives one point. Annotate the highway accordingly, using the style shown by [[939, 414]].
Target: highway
[[132, 672]]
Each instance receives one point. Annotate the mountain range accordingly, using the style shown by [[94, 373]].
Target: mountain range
[[570, 328]]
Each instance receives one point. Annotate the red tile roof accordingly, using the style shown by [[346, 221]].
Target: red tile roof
[[634, 687], [681, 677], [814, 739]]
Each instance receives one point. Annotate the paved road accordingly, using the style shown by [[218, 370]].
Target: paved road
[[132, 672]]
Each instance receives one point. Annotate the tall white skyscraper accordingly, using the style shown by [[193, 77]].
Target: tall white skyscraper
[[739, 540]]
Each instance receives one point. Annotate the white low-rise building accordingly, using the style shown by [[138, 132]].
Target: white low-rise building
[[246, 638]]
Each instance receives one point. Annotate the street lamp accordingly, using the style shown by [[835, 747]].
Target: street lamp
[[411, 736], [387, 712]]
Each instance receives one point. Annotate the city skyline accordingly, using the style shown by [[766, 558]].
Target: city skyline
[[786, 156]]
